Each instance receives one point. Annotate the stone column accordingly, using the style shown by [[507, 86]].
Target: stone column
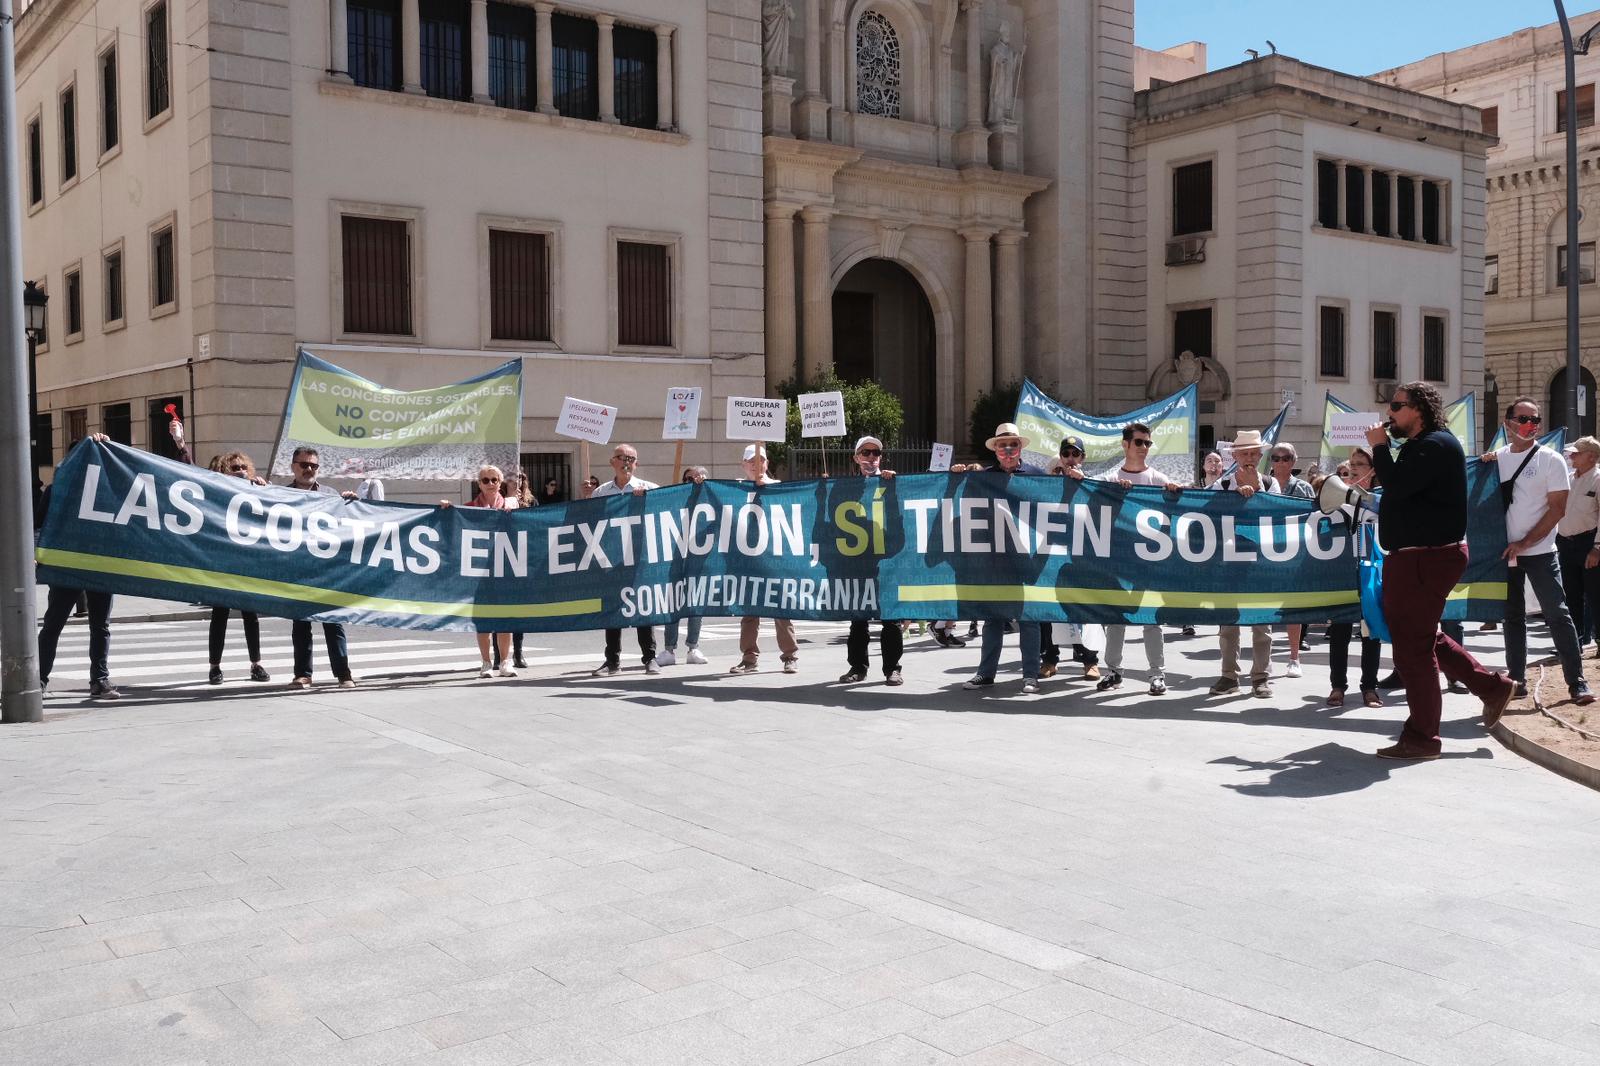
[[606, 70], [480, 52], [811, 112], [1416, 211], [1393, 178], [544, 61], [1367, 215], [1008, 307], [338, 41], [411, 46], [817, 291], [1343, 215], [972, 142], [664, 79], [780, 294], [978, 357]]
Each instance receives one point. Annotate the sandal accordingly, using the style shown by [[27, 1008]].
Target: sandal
[[1335, 698]]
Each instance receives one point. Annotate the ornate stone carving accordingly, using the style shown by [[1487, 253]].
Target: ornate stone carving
[[877, 66], [1185, 369], [1005, 72], [776, 15]]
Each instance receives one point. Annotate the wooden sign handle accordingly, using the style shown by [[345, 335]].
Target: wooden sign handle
[[677, 463], [583, 463]]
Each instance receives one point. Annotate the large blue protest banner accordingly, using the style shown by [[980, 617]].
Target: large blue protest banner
[[919, 546], [1173, 422]]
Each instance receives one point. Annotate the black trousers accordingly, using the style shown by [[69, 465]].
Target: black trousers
[[647, 645], [516, 648], [890, 641], [58, 606], [219, 634], [1050, 652], [1339, 634], [1580, 586]]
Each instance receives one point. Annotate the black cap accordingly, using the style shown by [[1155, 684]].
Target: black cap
[[1074, 443]]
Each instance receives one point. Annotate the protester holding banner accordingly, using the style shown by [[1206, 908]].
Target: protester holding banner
[[58, 606], [551, 493], [692, 475], [1358, 473], [1007, 445], [1212, 470], [1575, 538], [1067, 463], [1283, 460], [1136, 442], [239, 465], [755, 469], [491, 662], [1246, 480], [1422, 523], [869, 457], [305, 462], [624, 463]]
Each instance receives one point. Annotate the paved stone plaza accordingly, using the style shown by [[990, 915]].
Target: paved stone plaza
[[773, 870]]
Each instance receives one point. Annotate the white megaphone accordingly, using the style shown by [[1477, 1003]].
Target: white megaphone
[[1336, 494]]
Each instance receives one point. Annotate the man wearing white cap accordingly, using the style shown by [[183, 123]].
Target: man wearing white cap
[[755, 468], [1007, 444], [869, 460], [1575, 538], [1246, 480]]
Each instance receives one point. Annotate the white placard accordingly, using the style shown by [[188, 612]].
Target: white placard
[[1349, 430], [757, 418], [942, 454], [682, 420], [822, 414], [583, 420]]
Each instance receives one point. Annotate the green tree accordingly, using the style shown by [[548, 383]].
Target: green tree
[[869, 409], [991, 409]]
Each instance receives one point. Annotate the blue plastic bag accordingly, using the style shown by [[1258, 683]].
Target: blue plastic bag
[[1369, 581]]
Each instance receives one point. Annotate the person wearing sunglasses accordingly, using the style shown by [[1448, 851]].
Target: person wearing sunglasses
[[237, 464], [1007, 445], [304, 465], [1539, 487], [1137, 442], [493, 648], [891, 638], [1283, 457], [1246, 480], [625, 480], [1422, 525]]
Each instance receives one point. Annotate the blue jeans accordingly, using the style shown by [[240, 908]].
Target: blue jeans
[[994, 635], [1545, 575], [57, 608], [332, 636], [671, 637]]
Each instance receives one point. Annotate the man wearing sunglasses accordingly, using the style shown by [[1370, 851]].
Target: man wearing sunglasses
[[624, 464], [1422, 524], [1539, 487], [304, 465], [1007, 444], [1137, 441], [891, 641]]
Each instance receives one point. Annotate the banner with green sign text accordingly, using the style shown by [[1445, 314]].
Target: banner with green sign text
[[362, 429], [1173, 426]]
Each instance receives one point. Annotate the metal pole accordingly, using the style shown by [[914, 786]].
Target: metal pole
[[20, 698], [1574, 256]]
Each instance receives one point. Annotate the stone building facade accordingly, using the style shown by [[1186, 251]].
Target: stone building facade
[[1519, 81]]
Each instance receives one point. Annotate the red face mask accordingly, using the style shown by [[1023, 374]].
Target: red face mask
[[1527, 429]]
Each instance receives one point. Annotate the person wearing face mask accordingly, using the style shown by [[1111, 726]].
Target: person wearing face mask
[[891, 640], [1575, 538]]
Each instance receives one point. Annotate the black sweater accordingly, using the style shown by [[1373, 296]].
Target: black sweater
[[1424, 492]]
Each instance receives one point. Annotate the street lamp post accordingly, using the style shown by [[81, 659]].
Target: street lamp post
[[35, 305], [1571, 50]]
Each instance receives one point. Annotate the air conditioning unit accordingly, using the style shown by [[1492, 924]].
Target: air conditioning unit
[[1185, 250], [1384, 390]]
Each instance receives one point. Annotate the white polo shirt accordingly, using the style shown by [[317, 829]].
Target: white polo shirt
[[1545, 473]]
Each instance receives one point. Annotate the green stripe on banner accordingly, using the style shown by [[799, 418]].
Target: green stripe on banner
[[1482, 590], [69, 560]]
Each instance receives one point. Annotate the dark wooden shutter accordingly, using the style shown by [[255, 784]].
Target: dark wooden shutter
[[519, 286], [1331, 336], [1385, 357], [69, 135], [644, 295], [109, 126], [74, 287], [161, 265], [158, 85], [113, 291], [1433, 368], [35, 162], [1191, 199], [377, 275]]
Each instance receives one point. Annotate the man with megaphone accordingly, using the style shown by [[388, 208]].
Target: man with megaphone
[[1422, 524]]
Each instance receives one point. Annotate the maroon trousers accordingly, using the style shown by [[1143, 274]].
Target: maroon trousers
[[1416, 583]]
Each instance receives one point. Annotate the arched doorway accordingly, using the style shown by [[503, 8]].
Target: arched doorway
[[883, 331], [1556, 411]]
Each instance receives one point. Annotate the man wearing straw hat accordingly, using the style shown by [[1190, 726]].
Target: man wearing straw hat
[[1007, 444], [1246, 480]]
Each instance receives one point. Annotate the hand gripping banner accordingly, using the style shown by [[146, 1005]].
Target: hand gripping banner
[[1173, 426], [916, 546]]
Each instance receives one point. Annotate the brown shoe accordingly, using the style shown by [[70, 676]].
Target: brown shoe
[[1335, 698], [1091, 673], [1403, 750], [1371, 698], [1047, 670], [1494, 706]]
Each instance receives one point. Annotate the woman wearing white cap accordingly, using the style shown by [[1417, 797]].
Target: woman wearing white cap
[[869, 460], [755, 468]]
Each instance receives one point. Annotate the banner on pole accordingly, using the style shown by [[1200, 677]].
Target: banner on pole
[[757, 418], [585, 420], [1172, 421], [360, 428], [822, 414]]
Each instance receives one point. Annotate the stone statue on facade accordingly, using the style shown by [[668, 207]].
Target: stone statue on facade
[[1005, 73], [776, 15]]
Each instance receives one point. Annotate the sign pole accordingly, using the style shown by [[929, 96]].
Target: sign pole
[[583, 461], [677, 463], [824, 456]]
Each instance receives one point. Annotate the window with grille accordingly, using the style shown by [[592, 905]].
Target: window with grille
[[1406, 208], [511, 56], [1585, 264], [1191, 199], [157, 62], [163, 269], [110, 132], [72, 286], [116, 422], [69, 134], [1585, 100], [35, 161], [372, 33], [1491, 275], [377, 275], [445, 61], [1432, 213], [1327, 194], [575, 55], [877, 66], [1491, 121], [1355, 198], [519, 286], [635, 59], [1386, 345], [112, 271], [1330, 342], [77, 425], [1433, 348], [1191, 332], [644, 294]]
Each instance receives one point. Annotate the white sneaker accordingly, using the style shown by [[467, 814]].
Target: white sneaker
[[1030, 686], [485, 670], [652, 667], [1294, 668], [666, 658], [505, 671], [696, 656]]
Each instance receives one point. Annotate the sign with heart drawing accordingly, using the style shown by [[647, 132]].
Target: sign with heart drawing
[[682, 421]]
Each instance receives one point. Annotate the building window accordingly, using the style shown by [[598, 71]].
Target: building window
[[77, 426], [163, 270], [69, 134], [111, 270], [116, 422], [157, 63], [1191, 199], [1585, 108], [644, 295], [511, 63], [72, 315], [1407, 213], [1191, 332], [635, 52], [1382, 204], [1330, 342], [1433, 348], [1432, 213], [445, 60], [1585, 264], [575, 55], [519, 286], [1386, 345], [377, 275], [160, 439], [1327, 194], [373, 42], [35, 161], [877, 66], [1491, 120], [109, 128], [1491, 275]]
